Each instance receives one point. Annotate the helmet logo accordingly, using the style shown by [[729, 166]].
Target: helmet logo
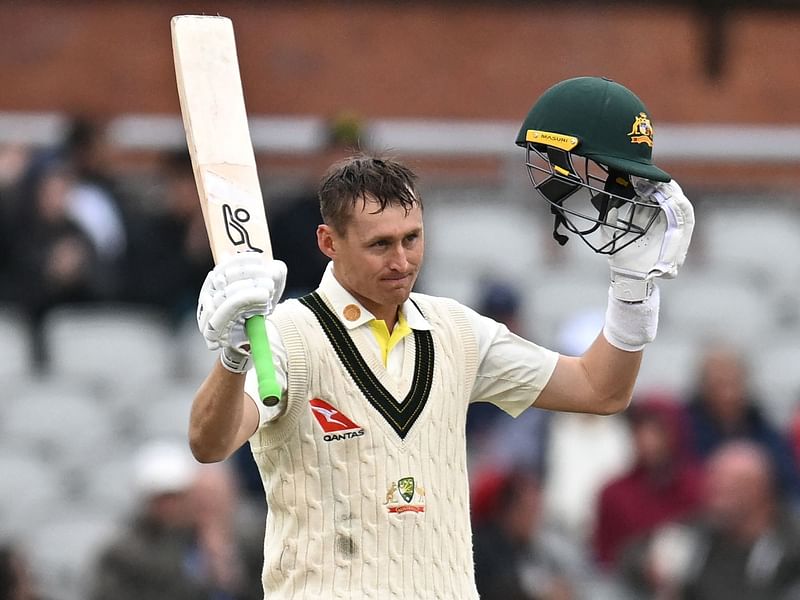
[[565, 142], [642, 130]]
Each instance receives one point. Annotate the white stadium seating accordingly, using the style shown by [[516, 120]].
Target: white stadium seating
[[112, 344]]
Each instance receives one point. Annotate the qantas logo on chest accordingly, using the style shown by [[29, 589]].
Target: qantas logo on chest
[[335, 425]]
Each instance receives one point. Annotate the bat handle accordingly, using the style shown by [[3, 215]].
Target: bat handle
[[268, 387]]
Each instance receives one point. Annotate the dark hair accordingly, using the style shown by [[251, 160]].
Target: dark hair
[[359, 178]]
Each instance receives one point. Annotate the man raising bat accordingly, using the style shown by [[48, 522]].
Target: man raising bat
[[363, 457]]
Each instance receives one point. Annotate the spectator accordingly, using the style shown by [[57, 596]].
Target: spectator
[[178, 545], [722, 409], [13, 163], [292, 225], [501, 301], [794, 435], [745, 546], [169, 252], [93, 202], [293, 221], [664, 483], [8, 293], [516, 557], [583, 451], [499, 440], [231, 537], [56, 262]]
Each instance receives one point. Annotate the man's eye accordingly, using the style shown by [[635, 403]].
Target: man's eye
[[380, 243]]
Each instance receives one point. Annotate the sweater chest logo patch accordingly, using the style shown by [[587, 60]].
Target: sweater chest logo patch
[[335, 425], [405, 495]]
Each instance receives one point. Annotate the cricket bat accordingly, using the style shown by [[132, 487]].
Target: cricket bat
[[218, 136]]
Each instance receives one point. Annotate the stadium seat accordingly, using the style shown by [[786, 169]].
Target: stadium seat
[[556, 297], [31, 488], [108, 486], [166, 413], [760, 239], [63, 550], [669, 364], [438, 279], [59, 423], [775, 376], [193, 361], [112, 344], [705, 305], [483, 237]]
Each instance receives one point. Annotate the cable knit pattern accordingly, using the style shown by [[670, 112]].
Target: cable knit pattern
[[343, 521]]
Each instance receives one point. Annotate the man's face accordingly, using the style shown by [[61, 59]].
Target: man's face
[[652, 442], [378, 257], [737, 485], [725, 386], [171, 509]]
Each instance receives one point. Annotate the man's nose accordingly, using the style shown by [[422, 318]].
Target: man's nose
[[398, 260]]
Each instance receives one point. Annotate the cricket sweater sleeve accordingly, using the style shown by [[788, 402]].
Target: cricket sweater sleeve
[[512, 371], [267, 414]]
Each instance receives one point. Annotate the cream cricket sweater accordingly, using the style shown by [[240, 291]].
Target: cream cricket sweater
[[368, 497]]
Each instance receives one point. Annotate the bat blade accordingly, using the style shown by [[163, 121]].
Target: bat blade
[[218, 137]]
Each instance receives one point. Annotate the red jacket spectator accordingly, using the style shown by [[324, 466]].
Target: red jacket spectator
[[663, 485]]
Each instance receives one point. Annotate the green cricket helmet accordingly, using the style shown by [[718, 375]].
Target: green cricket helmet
[[585, 137]]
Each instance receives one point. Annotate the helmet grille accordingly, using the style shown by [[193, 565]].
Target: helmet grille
[[594, 202]]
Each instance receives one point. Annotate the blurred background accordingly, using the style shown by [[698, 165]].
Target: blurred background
[[103, 251]]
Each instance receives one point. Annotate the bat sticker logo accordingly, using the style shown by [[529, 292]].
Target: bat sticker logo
[[235, 228]]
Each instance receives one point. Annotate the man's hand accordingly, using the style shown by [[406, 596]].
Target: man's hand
[[241, 286], [659, 252]]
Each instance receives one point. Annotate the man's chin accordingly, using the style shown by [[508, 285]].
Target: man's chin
[[401, 296], [398, 295]]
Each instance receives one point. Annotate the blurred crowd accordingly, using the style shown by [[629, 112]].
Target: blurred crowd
[[189, 536], [680, 497], [692, 497], [69, 232]]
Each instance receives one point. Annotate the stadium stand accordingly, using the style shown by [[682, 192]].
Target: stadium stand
[[32, 487], [63, 548], [110, 344], [121, 374]]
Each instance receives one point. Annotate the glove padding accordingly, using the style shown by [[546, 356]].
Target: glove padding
[[239, 287], [662, 250]]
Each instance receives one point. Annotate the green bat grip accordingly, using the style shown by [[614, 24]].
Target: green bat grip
[[268, 387]]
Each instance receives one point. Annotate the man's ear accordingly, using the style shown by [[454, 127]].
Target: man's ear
[[325, 241]]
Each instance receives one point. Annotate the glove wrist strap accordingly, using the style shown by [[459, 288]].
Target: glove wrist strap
[[233, 361], [630, 326], [631, 290]]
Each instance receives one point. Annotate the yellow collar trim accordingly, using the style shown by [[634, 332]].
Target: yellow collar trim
[[387, 341]]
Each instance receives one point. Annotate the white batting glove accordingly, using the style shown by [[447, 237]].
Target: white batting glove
[[239, 287], [662, 250]]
